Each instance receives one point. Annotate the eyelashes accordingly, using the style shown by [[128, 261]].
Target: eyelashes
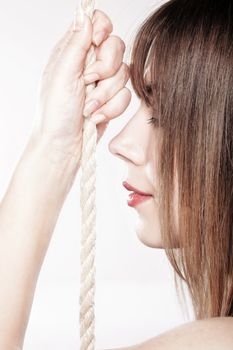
[[154, 121], [151, 120]]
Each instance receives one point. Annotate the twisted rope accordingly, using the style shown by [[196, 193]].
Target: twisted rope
[[88, 208]]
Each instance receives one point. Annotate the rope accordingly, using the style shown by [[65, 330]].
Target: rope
[[88, 208]]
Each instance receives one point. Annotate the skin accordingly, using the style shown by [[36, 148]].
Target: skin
[[49, 164], [138, 144], [135, 145], [207, 334]]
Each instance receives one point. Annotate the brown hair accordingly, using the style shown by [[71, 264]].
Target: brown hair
[[189, 47]]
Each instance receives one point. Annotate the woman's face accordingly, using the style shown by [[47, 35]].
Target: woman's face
[[139, 144]]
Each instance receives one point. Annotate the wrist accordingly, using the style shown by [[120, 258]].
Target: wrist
[[53, 163], [28, 214]]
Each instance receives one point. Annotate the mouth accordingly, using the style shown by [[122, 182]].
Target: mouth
[[135, 190], [136, 196]]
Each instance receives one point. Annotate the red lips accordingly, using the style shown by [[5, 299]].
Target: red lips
[[133, 189]]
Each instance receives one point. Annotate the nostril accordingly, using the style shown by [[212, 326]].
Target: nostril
[[120, 156]]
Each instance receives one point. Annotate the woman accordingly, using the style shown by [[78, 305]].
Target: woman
[[182, 71]]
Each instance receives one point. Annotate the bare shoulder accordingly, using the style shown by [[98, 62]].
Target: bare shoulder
[[208, 334]]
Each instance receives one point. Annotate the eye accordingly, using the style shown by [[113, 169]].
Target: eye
[[149, 89], [154, 121]]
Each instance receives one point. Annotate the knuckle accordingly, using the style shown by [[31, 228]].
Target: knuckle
[[110, 25], [95, 14], [125, 69], [105, 21], [110, 69], [105, 96], [102, 96], [124, 73], [128, 93], [122, 45], [107, 24], [119, 42]]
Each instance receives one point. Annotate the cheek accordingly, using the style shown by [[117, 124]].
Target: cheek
[[148, 222], [148, 225]]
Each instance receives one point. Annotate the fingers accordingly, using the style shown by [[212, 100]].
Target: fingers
[[102, 27], [109, 56], [113, 108], [106, 89]]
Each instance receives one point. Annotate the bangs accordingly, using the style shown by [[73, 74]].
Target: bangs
[[142, 63], [184, 50]]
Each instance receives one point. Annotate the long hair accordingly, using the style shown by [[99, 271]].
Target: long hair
[[189, 47]]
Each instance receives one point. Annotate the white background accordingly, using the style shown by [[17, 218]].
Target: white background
[[135, 294]]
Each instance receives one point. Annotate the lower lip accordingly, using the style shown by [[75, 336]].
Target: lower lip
[[135, 199]]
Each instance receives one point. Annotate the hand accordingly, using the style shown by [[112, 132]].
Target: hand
[[63, 85]]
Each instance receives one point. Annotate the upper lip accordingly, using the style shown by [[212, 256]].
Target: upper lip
[[131, 188]]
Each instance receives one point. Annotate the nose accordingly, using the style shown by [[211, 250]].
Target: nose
[[128, 144]]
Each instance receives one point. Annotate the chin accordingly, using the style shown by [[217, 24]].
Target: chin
[[149, 236], [150, 243]]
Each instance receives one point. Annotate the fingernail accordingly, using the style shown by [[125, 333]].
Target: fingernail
[[90, 78], [99, 37], [90, 106], [98, 118], [78, 20]]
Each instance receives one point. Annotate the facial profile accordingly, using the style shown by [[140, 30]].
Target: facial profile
[[139, 145], [188, 152]]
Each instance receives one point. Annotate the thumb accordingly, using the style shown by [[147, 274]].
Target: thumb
[[75, 51]]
